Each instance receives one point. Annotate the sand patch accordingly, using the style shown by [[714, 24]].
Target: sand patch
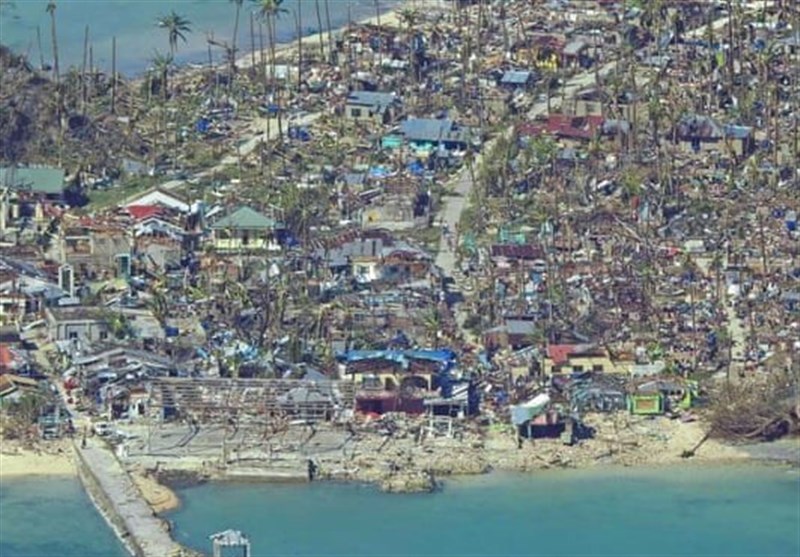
[[160, 498], [54, 459]]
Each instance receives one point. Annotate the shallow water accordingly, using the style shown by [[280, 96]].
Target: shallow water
[[690, 511], [44, 517], [133, 22]]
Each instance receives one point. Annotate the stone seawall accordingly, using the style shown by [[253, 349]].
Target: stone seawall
[[121, 504], [104, 505]]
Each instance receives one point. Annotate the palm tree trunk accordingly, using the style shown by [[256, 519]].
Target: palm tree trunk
[[273, 37], [55, 43], [276, 93], [776, 128], [378, 20], [762, 244], [252, 42], [39, 43], [233, 43], [262, 62], [83, 69], [299, 45], [319, 31], [114, 75], [328, 25], [504, 22]]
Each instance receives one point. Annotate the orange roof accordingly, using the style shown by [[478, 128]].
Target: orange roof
[[7, 358], [559, 353]]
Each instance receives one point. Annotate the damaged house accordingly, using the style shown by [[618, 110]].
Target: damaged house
[[395, 380]]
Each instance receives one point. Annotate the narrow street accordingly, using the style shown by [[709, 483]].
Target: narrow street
[[736, 327], [460, 191]]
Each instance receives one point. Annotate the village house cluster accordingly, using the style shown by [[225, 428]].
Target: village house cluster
[[626, 234]]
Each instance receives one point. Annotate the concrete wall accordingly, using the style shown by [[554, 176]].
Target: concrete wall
[[119, 501], [104, 505], [91, 330]]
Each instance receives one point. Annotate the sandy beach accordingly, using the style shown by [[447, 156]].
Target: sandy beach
[[57, 459], [159, 497]]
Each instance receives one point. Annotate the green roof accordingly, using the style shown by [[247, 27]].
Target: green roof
[[49, 181], [245, 218]]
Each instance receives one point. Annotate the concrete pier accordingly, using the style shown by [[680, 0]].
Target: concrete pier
[[121, 503]]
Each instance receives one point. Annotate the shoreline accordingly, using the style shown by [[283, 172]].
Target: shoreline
[[283, 50], [159, 487], [57, 461], [748, 462], [165, 493], [389, 18]]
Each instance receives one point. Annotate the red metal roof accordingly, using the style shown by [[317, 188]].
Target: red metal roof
[[574, 127], [563, 125], [141, 212]]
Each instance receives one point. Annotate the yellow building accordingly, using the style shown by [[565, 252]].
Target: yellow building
[[577, 358]]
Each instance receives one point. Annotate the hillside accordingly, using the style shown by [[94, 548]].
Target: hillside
[[45, 122]]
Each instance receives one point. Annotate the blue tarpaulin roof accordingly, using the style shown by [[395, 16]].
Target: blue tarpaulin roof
[[379, 172], [416, 168]]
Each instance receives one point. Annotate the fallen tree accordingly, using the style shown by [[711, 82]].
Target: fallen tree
[[762, 408]]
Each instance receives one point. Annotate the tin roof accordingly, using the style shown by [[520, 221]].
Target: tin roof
[[245, 218], [515, 77], [49, 181]]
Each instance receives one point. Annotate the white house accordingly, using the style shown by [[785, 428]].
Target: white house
[[158, 197]]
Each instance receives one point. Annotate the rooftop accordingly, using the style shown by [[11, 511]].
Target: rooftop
[[375, 99], [45, 180], [245, 218], [433, 130]]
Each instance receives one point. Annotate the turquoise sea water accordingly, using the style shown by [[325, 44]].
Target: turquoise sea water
[[133, 23], [691, 511], [730, 512], [52, 517]]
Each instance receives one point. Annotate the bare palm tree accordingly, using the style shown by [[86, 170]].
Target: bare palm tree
[[238, 5], [51, 9], [299, 22], [269, 11], [319, 30], [177, 27]]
